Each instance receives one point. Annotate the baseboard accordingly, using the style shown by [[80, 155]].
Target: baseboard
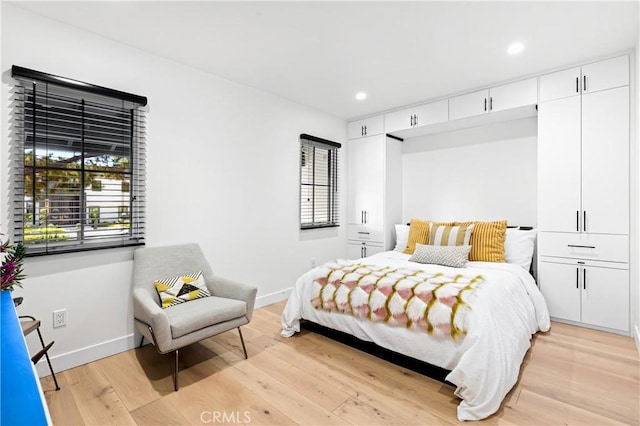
[[271, 298], [86, 355], [89, 354], [636, 337]]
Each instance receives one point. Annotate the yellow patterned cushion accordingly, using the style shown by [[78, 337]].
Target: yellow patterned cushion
[[449, 235], [418, 234], [487, 241], [176, 290]]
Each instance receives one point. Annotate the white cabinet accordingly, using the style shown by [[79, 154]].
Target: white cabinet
[[513, 95], [582, 293], [357, 250], [583, 163], [589, 78], [366, 127], [421, 115], [605, 161], [495, 99], [583, 194], [365, 169], [469, 105], [374, 188]]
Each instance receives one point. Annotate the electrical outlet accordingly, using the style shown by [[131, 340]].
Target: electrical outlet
[[59, 318]]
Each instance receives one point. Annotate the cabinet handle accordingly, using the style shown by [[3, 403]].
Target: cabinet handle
[[485, 104], [584, 278], [578, 220], [579, 246], [577, 278], [415, 119], [365, 130], [363, 233], [365, 217], [491, 103], [577, 84], [584, 83], [584, 221], [411, 119]]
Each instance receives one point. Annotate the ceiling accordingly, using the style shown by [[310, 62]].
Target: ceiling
[[321, 53]]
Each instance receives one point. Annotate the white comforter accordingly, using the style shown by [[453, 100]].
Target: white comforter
[[507, 309]]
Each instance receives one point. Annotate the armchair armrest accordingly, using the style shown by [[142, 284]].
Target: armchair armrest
[[147, 311], [224, 287]]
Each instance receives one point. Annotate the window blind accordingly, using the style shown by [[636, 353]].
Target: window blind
[[319, 197], [78, 167]]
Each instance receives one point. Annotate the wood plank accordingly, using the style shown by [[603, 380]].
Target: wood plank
[[95, 397], [323, 393], [61, 402], [127, 376], [159, 412], [288, 400]]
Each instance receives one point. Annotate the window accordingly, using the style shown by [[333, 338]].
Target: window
[[78, 165], [318, 182]]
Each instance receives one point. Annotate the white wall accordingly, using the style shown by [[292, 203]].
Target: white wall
[[222, 170], [481, 173]]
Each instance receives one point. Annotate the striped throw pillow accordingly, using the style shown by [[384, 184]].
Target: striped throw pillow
[[448, 235], [487, 241]]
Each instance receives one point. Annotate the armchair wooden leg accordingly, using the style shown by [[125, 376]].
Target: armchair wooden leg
[[141, 341], [244, 348], [175, 373]]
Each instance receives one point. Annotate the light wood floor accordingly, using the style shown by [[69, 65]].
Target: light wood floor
[[571, 375]]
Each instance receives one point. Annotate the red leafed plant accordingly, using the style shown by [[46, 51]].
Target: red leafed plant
[[12, 256]]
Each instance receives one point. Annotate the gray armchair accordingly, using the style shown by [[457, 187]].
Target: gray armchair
[[230, 305]]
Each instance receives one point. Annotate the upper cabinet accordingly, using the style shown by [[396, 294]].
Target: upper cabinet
[[500, 98], [593, 77], [419, 116], [366, 127], [469, 105]]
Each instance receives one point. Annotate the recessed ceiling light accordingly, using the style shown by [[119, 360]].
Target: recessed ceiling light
[[515, 48], [361, 96]]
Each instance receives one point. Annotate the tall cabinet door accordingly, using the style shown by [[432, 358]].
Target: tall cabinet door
[[366, 180], [559, 165], [605, 161]]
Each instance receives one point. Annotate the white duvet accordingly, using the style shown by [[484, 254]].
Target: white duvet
[[507, 309]]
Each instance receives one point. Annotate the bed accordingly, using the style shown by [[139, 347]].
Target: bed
[[475, 321]]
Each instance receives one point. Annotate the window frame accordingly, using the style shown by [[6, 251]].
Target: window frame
[[308, 219], [120, 113]]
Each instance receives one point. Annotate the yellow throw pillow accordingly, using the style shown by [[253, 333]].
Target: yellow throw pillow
[[418, 234], [487, 241], [448, 235]]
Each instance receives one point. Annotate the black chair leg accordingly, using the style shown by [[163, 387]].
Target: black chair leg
[[244, 348], [141, 341], [175, 372], [46, 355]]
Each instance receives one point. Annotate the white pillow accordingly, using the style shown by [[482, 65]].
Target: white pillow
[[454, 256], [402, 236], [518, 247]]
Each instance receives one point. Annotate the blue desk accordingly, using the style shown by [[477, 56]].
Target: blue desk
[[21, 398]]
